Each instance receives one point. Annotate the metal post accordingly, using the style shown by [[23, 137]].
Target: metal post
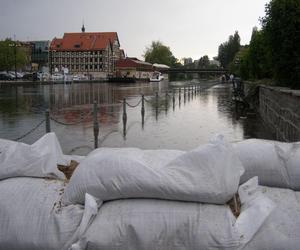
[[156, 106], [195, 90], [47, 121], [143, 106], [124, 118], [143, 111], [184, 94], [96, 124], [124, 111], [173, 99], [179, 95], [166, 102]]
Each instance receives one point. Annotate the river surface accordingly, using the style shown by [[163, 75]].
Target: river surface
[[182, 124]]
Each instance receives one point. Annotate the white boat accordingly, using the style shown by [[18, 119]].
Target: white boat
[[156, 77]]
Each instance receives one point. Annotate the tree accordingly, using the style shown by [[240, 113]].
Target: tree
[[258, 56], [7, 55], [228, 49], [281, 27], [159, 53], [203, 62], [240, 64]]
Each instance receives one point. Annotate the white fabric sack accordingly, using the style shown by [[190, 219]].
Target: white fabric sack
[[31, 218], [207, 174], [276, 164], [143, 224], [281, 230], [156, 224], [37, 160]]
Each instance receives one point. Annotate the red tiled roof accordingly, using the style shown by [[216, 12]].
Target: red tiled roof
[[133, 63], [83, 41]]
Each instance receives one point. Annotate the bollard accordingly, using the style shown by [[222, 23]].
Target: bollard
[[195, 90], [48, 130], [143, 111], [143, 106], [166, 103], [124, 111], [173, 99], [124, 118], [96, 124], [156, 106], [184, 94], [179, 94]]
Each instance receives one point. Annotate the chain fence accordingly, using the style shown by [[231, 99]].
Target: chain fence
[[94, 112], [30, 131]]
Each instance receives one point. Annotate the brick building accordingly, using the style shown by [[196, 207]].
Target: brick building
[[90, 53], [134, 68]]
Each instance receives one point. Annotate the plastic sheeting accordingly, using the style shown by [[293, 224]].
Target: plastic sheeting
[[277, 164], [31, 216], [37, 160], [207, 174]]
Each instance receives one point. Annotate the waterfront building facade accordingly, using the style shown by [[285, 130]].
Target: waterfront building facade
[[89, 53], [134, 68], [39, 54]]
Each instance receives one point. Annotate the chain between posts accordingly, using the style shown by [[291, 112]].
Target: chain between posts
[[30, 131], [64, 123]]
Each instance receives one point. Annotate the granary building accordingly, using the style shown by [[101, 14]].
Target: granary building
[[90, 53]]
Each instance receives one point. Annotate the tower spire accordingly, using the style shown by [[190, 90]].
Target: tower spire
[[82, 28]]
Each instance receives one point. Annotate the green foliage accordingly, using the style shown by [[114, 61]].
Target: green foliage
[[159, 53], [203, 62], [281, 28], [228, 49], [240, 64], [7, 55], [259, 57]]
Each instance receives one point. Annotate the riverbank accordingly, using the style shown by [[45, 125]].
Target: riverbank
[[278, 107]]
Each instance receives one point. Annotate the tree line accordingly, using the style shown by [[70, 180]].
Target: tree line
[[12, 53], [273, 51]]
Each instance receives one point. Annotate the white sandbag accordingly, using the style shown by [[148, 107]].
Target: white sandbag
[[281, 230], [156, 224], [255, 209], [276, 164], [37, 160], [143, 224], [208, 174], [31, 216]]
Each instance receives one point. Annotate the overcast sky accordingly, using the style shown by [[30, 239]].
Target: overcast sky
[[191, 28]]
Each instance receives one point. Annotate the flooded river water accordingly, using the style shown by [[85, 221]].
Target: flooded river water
[[183, 123]]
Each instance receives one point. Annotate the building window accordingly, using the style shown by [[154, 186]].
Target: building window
[[96, 67], [91, 59], [91, 66]]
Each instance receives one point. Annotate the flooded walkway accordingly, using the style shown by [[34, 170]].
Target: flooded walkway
[[185, 125]]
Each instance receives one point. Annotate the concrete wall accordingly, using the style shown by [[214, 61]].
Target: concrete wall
[[280, 109]]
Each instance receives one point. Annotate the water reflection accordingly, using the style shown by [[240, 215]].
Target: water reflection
[[195, 115]]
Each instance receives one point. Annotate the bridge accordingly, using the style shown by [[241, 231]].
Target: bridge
[[201, 71]]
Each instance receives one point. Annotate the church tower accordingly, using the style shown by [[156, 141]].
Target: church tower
[[83, 28]]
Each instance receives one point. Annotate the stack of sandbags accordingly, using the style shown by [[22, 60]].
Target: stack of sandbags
[[281, 230], [37, 160], [31, 215], [208, 174], [277, 164]]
